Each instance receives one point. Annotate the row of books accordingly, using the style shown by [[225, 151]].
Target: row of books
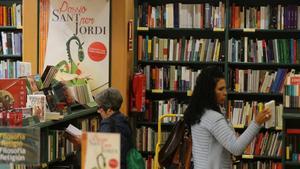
[[146, 139], [182, 49], [82, 93], [292, 145], [90, 124], [58, 146], [180, 15], [266, 144], [149, 162], [278, 16], [264, 81], [291, 96], [174, 78], [14, 69], [258, 165], [264, 51], [11, 15], [241, 113], [11, 43], [12, 119], [180, 78], [156, 108]]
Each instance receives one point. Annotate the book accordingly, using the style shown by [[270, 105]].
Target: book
[[100, 150], [34, 83], [38, 105], [63, 94], [31, 85], [48, 75], [74, 131], [272, 107], [12, 93], [73, 134]]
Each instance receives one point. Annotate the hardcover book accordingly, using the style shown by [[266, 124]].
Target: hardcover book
[[12, 93]]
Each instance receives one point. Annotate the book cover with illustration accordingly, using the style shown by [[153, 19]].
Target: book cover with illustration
[[31, 84], [38, 105], [100, 150], [12, 93]]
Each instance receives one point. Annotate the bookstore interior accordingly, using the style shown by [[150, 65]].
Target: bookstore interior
[[57, 55]]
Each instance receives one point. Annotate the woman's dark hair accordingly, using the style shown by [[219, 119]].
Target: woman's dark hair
[[203, 96]]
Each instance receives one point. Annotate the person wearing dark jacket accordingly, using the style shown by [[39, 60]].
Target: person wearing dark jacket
[[113, 121], [109, 102]]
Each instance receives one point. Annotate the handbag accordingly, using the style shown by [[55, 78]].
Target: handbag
[[183, 156], [177, 150]]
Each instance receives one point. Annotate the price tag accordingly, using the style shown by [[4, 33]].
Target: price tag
[[249, 29], [44, 165], [142, 28], [245, 156], [157, 91], [189, 93], [218, 29], [278, 128], [240, 126]]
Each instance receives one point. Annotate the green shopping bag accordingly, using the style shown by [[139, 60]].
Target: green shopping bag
[[134, 159]]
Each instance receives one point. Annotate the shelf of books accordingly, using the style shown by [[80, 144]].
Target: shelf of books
[[53, 140], [11, 30], [291, 126], [254, 42], [11, 40]]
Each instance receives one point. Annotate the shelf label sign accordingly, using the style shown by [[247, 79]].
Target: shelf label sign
[[246, 156], [218, 29], [249, 29], [19, 146]]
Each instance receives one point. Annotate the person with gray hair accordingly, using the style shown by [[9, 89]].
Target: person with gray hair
[[109, 102]]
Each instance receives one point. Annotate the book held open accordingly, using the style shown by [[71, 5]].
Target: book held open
[[74, 131]]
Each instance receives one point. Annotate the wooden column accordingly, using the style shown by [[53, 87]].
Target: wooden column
[[121, 65], [30, 33]]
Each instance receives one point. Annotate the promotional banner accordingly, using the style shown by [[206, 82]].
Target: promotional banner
[[78, 41]]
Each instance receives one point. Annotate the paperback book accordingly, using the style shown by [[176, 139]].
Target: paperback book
[[38, 105]]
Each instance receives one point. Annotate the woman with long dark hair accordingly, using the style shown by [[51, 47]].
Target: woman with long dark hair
[[214, 139]]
